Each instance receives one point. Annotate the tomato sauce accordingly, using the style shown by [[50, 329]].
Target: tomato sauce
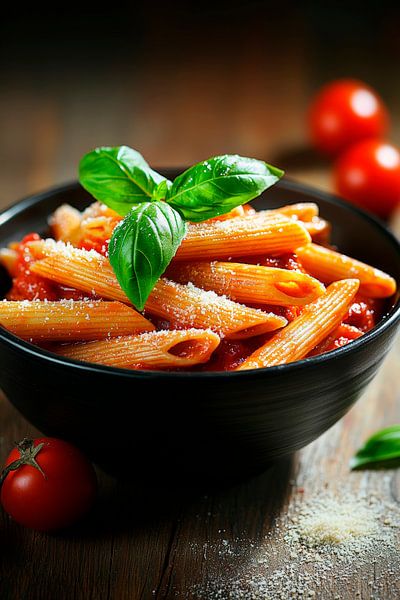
[[364, 313], [29, 286], [101, 246]]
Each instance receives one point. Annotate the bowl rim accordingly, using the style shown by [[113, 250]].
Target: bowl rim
[[386, 322]]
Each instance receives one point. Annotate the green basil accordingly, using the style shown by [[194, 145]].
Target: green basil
[[143, 245], [119, 177], [219, 184], [155, 209], [162, 189], [382, 450]]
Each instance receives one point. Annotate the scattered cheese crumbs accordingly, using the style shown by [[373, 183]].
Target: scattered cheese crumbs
[[309, 546], [328, 521], [66, 249]]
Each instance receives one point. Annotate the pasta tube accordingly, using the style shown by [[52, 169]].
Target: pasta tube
[[158, 349], [307, 213], [303, 211], [328, 266], [9, 259], [250, 283], [183, 305], [190, 306], [261, 233], [71, 320], [316, 321], [65, 223]]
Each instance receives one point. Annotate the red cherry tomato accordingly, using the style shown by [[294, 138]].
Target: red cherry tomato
[[368, 174], [53, 494], [344, 112]]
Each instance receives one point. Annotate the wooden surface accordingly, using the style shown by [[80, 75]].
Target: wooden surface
[[179, 104]]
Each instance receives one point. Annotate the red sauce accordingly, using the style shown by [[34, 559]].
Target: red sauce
[[364, 313], [340, 337], [229, 355], [101, 246], [29, 286], [285, 261]]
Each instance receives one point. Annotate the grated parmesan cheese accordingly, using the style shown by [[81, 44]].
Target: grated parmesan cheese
[[328, 521], [318, 539]]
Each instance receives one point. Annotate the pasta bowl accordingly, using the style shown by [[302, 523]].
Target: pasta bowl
[[203, 424]]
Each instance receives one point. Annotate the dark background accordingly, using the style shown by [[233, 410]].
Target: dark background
[[181, 81]]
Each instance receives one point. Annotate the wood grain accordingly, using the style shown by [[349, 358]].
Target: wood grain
[[178, 106]]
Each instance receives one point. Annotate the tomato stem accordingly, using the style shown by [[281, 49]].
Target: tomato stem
[[28, 453]]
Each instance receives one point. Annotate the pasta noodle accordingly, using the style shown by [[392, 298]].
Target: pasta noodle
[[304, 211], [262, 233], [65, 223], [250, 283], [316, 321], [158, 349], [328, 265], [8, 258], [190, 306], [71, 320]]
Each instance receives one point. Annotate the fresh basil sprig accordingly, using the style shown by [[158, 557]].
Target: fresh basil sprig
[[118, 177], [143, 245], [382, 450], [155, 209]]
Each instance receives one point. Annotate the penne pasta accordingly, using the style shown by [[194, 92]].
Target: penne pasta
[[9, 259], [85, 270], [158, 349], [250, 283], [308, 214], [182, 305], [316, 321], [262, 233], [303, 211], [319, 230], [224, 268], [93, 227], [190, 306], [239, 211], [71, 320], [65, 223], [328, 265]]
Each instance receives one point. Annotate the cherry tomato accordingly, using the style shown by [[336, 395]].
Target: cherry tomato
[[54, 487], [368, 174], [343, 112]]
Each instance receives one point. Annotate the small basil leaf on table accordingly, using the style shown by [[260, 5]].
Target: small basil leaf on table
[[219, 184], [382, 450], [119, 177], [143, 245]]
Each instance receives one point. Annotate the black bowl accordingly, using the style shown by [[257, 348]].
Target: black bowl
[[206, 424]]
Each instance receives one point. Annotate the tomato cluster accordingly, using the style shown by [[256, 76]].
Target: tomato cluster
[[349, 121]]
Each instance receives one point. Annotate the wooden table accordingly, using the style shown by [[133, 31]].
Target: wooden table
[[142, 543]]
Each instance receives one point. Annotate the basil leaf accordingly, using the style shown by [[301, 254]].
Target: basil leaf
[[216, 186], [119, 177], [143, 245], [382, 450], [161, 190]]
